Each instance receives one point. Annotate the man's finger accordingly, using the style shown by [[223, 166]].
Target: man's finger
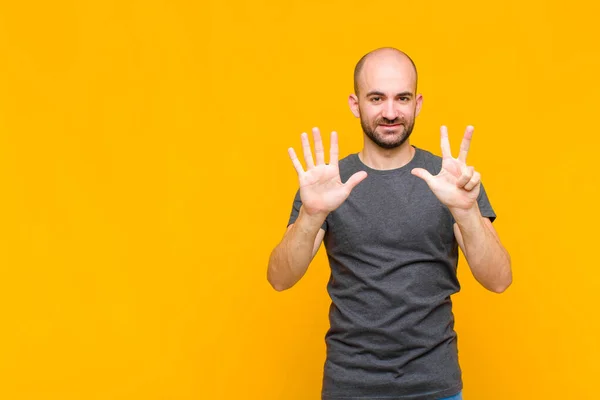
[[319, 152], [422, 173], [446, 152], [333, 151], [355, 179], [465, 177], [295, 161], [472, 184], [307, 151], [465, 144]]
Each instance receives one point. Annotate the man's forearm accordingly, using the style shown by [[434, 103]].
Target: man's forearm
[[290, 259], [488, 259]]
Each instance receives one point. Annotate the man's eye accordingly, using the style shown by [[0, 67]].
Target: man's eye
[[375, 98], [404, 98]]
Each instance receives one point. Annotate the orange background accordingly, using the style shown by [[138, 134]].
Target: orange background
[[146, 179]]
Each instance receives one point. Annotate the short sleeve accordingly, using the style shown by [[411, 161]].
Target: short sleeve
[[296, 211], [484, 205]]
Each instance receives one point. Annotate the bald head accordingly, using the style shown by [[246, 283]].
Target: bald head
[[383, 56]]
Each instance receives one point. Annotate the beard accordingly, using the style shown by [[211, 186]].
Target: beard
[[380, 138]]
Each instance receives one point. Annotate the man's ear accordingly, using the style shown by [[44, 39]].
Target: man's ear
[[353, 103], [419, 104]]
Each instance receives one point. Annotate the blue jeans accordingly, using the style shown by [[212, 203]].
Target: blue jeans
[[455, 397]]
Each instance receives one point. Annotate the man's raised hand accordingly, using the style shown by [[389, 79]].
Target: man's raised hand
[[321, 188], [457, 185]]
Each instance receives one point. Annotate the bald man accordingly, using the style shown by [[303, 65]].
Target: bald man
[[392, 217]]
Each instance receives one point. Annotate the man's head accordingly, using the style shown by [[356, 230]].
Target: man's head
[[385, 98]]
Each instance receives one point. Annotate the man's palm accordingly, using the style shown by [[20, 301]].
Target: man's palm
[[321, 188], [456, 185]]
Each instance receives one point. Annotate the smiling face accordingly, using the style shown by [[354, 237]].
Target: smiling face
[[386, 101]]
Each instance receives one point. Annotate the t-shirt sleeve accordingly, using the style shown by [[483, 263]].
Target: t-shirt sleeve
[[296, 211], [484, 205]]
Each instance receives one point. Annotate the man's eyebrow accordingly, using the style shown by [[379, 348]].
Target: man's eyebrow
[[375, 92], [378, 93]]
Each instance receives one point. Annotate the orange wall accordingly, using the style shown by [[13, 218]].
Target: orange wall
[[145, 180]]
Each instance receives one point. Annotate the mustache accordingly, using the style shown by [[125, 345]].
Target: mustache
[[385, 121]]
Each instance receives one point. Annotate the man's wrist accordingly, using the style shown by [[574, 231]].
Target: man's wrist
[[466, 216], [311, 221]]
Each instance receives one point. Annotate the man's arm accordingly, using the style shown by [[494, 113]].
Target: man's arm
[[321, 191], [487, 258], [458, 186], [290, 259]]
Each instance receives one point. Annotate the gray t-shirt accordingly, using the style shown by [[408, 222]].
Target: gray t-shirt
[[393, 259]]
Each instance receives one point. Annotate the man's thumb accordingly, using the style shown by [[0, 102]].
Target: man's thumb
[[422, 173], [355, 179]]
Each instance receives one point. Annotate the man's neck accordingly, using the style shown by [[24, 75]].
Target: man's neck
[[376, 157]]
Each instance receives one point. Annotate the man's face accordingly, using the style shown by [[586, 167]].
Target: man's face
[[387, 103]]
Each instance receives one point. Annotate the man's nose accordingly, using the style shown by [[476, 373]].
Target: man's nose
[[389, 111]]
